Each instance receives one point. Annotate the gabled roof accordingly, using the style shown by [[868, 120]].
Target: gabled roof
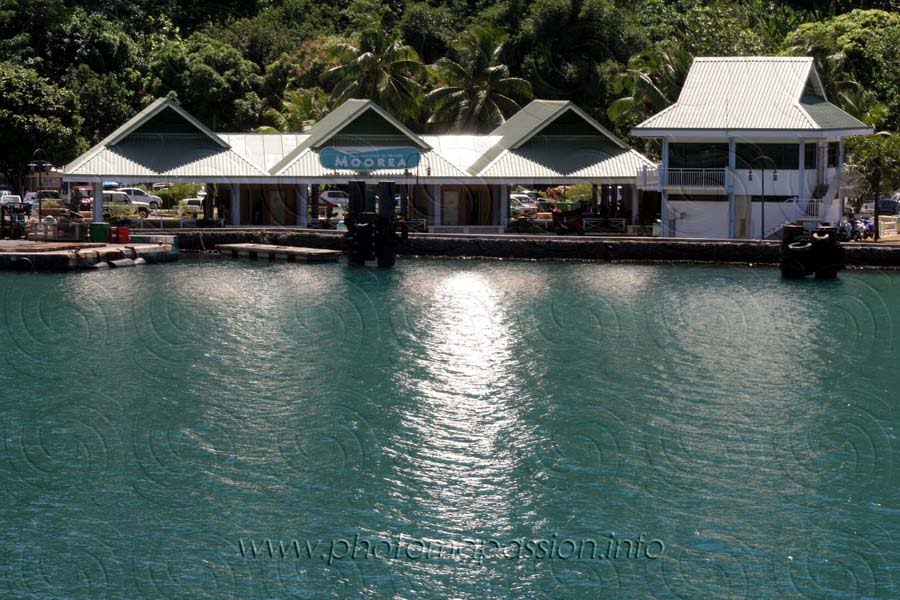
[[529, 122], [432, 165], [756, 93], [141, 119], [339, 119]]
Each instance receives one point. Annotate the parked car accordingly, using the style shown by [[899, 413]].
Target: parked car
[[32, 197], [191, 206], [335, 197], [889, 206], [10, 199], [117, 198], [139, 195], [521, 205]]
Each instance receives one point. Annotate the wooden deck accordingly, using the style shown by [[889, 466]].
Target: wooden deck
[[288, 253]]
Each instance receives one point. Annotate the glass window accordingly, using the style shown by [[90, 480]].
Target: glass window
[[698, 156], [784, 156], [832, 155], [810, 153]]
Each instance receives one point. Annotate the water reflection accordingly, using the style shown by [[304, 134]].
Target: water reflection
[[466, 419]]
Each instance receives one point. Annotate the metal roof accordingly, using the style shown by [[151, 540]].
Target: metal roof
[[264, 150], [332, 123], [142, 118], [750, 93], [432, 165], [155, 159], [169, 148], [575, 158], [530, 121]]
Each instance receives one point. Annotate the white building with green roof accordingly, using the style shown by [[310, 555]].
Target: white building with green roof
[[751, 144], [449, 181]]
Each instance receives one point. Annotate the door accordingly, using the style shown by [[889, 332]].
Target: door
[[450, 209]]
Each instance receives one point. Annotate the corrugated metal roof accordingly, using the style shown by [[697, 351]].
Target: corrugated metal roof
[[141, 118], [744, 93], [576, 158], [155, 159], [264, 150], [461, 150], [828, 116], [339, 118], [308, 165], [528, 122]]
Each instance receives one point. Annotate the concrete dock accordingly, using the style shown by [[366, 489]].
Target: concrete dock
[[23, 255], [271, 252]]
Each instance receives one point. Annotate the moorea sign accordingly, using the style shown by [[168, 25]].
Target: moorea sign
[[369, 159]]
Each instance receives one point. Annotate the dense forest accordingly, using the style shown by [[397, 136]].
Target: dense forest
[[71, 72]]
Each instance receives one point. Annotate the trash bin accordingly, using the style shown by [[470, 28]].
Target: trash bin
[[99, 232], [124, 235]]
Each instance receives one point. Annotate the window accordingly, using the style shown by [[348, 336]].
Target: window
[[784, 156], [698, 156], [833, 155], [810, 154]]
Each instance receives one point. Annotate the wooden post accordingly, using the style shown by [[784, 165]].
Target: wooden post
[[236, 204]]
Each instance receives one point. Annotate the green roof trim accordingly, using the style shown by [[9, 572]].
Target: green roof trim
[[343, 117], [534, 118], [828, 116], [142, 120]]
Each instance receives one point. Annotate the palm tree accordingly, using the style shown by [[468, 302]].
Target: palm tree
[[299, 110], [477, 92], [380, 69], [651, 82]]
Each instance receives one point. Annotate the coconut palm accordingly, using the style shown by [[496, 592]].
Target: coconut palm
[[380, 69], [651, 82], [476, 91], [299, 110]]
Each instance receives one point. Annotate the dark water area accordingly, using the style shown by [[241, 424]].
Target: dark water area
[[449, 429]]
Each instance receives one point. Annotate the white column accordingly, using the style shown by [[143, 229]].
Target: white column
[[98, 201], [235, 204], [435, 204], [302, 204], [664, 183], [729, 182], [503, 198], [801, 172]]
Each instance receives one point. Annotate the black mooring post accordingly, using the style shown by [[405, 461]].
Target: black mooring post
[[360, 228]]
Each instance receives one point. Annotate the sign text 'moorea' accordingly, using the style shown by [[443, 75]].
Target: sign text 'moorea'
[[369, 160]]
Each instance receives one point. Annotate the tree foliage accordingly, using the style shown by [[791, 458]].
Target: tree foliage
[[476, 92], [241, 65]]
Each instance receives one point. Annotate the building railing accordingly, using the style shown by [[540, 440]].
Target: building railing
[[703, 178], [807, 209], [649, 178]]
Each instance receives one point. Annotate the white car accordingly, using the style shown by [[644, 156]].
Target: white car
[[521, 205], [10, 199], [336, 197], [117, 198], [139, 195]]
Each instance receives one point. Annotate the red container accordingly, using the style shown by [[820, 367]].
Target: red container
[[123, 235]]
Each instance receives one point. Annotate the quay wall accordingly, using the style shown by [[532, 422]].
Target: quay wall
[[523, 247]]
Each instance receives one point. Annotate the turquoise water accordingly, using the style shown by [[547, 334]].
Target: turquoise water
[[160, 423]]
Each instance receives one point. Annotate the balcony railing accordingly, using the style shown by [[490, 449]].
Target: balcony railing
[[697, 178], [649, 178]]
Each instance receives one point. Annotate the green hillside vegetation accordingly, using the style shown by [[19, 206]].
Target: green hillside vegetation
[[72, 72]]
